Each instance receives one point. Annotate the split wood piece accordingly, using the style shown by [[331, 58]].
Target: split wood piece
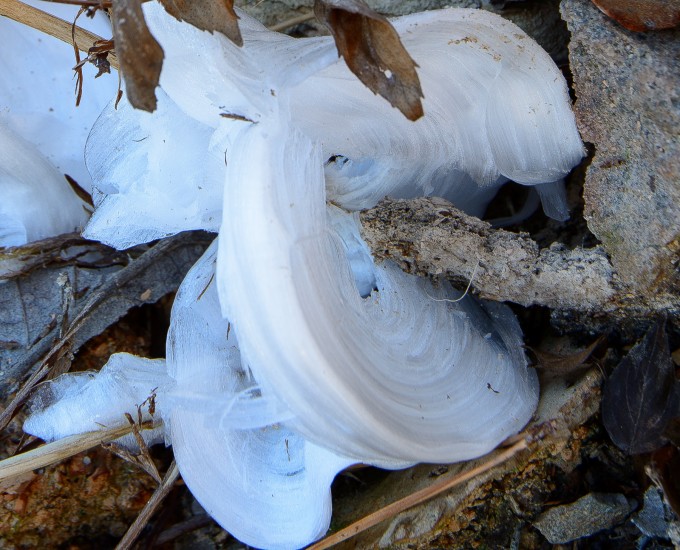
[[429, 236]]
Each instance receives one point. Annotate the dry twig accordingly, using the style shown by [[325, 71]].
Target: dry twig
[[419, 497], [154, 502], [51, 453]]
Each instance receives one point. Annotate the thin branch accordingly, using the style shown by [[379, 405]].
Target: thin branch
[[51, 453], [151, 506], [418, 497]]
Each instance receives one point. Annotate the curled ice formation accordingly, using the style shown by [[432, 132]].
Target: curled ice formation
[[263, 482], [338, 360], [496, 108], [166, 148], [85, 402], [402, 375], [42, 132], [35, 200], [260, 480]]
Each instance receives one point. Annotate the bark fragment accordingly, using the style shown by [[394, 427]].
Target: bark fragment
[[430, 236]]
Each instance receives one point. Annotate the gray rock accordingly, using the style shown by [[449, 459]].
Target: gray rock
[[656, 519], [588, 515], [628, 106], [538, 18], [651, 520]]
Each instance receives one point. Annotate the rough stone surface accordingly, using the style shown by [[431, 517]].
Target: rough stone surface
[[588, 515], [538, 18], [654, 518], [628, 106]]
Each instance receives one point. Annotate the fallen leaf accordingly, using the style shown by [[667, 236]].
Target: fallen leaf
[[29, 300], [208, 15], [642, 395], [642, 15], [373, 52], [564, 365], [140, 56]]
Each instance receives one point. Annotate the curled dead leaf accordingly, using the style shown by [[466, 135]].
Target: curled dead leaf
[[642, 15], [98, 55], [565, 365], [208, 15], [140, 55], [373, 52]]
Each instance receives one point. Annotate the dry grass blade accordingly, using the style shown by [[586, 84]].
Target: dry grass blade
[[49, 24], [283, 25], [419, 497], [161, 492], [62, 449], [142, 459]]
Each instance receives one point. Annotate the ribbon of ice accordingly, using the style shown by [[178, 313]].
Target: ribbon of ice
[[42, 133], [263, 482], [340, 360], [496, 108]]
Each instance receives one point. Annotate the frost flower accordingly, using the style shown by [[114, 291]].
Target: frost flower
[[291, 354]]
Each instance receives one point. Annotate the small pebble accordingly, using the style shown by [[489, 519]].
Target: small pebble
[[588, 515]]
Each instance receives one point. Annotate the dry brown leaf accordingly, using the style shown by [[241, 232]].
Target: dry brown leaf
[[373, 52], [207, 15], [564, 365], [140, 56], [642, 15], [78, 190]]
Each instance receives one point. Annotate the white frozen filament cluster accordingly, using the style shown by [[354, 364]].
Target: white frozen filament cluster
[[291, 353], [42, 133]]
